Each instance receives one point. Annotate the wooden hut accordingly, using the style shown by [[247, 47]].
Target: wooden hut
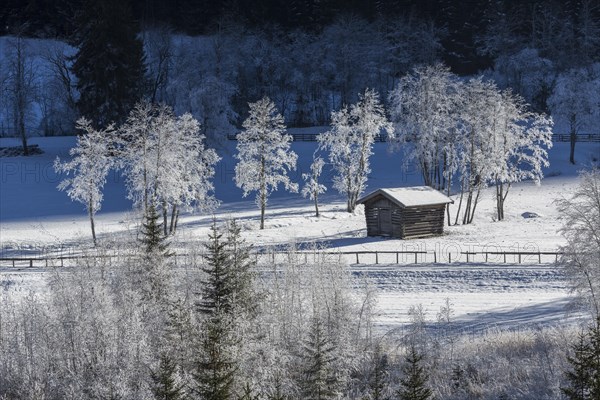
[[411, 212]]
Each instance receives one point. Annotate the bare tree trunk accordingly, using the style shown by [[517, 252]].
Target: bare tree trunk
[[573, 137], [91, 213], [468, 207], [462, 193], [262, 211], [475, 204], [316, 195], [165, 218], [448, 205], [263, 194], [20, 95], [174, 214]]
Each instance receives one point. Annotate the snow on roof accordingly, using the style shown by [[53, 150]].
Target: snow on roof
[[411, 196]]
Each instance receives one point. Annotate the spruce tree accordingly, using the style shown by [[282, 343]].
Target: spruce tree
[[152, 238], [242, 276], [165, 385], [584, 377], [217, 285], [413, 386], [109, 63], [319, 379], [215, 367], [378, 377]]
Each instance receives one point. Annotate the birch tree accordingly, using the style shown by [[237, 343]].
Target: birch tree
[[21, 87], [575, 99], [522, 141], [581, 228], [313, 188], [501, 143], [166, 163], [423, 109], [350, 143], [89, 168], [264, 155]]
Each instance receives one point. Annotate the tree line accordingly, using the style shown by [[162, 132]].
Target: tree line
[[547, 53]]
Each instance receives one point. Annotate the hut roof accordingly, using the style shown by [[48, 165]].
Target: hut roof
[[410, 196]]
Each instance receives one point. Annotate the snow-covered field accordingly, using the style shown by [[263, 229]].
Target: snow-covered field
[[36, 218]]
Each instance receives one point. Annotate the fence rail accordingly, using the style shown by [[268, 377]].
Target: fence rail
[[581, 137], [353, 257]]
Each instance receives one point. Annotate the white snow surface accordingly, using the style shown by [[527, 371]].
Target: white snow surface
[[36, 218]]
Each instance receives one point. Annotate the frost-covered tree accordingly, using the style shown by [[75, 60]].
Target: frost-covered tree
[[583, 376], [264, 155], [423, 108], [575, 100], [202, 82], [225, 306], [20, 88], [521, 142], [319, 380], [166, 162], [158, 50], [527, 74], [414, 385], [581, 228], [350, 143], [165, 383], [152, 234], [313, 188], [216, 366], [89, 166]]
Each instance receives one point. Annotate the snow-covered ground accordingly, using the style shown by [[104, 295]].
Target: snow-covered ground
[[36, 218]]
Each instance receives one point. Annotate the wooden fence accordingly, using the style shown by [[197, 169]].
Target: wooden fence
[[352, 257], [581, 137]]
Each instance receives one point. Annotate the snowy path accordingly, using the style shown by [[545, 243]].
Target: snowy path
[[482, 296]]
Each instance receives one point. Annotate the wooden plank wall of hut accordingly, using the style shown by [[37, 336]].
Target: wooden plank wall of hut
[[372, 215], [422, 221]]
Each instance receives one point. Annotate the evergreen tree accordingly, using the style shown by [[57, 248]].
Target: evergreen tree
[[319, 379], [152, 239], [584, 377], [215, 368], [165, 385], [264, 155], [242, 277], [217, 286], [109, 64], [414, 383], [378, 377]]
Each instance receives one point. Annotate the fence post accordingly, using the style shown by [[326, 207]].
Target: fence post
[[31, 263], [397, 258], [539, 257], [519, 258], [435, 257], [449, 258], [415, 257], [504, 257], [376, 257], [357, 258]]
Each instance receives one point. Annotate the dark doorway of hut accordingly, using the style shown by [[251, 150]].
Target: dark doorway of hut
[[385, 222]]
